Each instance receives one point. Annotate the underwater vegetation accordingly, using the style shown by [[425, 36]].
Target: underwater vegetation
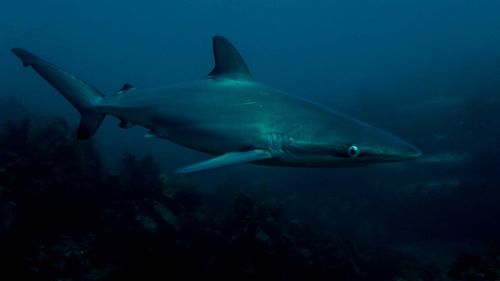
[[470, 267], [65, 217]]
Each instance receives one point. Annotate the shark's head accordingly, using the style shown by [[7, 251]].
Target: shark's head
[[349, 142], [374, 146]]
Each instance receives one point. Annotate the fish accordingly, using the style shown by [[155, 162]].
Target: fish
[[231, 116]]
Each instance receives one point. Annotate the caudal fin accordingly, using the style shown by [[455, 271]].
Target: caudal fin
[[79, 93]]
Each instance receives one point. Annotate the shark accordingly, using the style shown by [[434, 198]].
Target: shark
[[230, 116]]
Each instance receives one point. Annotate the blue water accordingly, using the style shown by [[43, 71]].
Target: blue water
[[428, 71]]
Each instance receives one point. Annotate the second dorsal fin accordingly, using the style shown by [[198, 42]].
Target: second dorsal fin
[[228, 61], [124, 89]]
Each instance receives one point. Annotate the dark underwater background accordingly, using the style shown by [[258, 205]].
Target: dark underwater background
[[111, 208]]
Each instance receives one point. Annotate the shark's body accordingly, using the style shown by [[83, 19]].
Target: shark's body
[[230, 115]]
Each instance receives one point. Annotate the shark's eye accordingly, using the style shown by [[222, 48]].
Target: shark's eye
[[353, 151]]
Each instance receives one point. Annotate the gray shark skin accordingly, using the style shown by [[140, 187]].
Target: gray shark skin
[[231, 116]]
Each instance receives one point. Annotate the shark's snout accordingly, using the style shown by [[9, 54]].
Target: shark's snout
[[400, 150], [386, 147], [410, 152]]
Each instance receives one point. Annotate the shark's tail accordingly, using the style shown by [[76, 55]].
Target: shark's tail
[[79, 93]]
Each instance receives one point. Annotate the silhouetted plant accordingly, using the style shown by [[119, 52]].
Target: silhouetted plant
[[66, 217]]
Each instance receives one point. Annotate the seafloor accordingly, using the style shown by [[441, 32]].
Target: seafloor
[[64, 216]]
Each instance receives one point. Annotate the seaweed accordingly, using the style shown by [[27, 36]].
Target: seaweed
[[474, 267], [66, 217]]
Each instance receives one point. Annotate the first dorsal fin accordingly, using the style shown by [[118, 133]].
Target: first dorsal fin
[[228, 61]]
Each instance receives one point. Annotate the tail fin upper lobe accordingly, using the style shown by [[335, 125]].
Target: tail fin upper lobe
[[79, 93]]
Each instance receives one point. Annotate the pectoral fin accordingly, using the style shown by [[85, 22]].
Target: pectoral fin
[[228, 159]]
